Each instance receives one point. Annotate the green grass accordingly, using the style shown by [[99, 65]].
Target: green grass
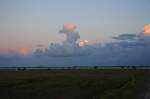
[[72, 84]]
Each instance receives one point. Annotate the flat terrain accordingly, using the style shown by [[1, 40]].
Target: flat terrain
[[74, 84]]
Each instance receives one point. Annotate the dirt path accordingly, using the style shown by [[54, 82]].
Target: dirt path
[[147, 94]]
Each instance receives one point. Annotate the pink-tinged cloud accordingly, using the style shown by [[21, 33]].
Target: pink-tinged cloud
[[69, 27], [82, 43], [7, 50], [147, 30], [24, 51]]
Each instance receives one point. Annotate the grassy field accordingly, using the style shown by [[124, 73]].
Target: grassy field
[[72, 84]]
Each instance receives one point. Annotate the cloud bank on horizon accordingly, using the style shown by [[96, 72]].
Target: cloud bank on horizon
[[127, 49]]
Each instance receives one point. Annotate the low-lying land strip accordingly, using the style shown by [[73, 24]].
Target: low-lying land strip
[[73, 84]]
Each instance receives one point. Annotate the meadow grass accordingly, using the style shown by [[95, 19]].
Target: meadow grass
[[72, 84]]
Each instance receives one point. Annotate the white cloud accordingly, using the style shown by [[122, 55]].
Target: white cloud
[[129, 49]]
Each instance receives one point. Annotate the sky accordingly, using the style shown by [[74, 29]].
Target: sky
[[26, 25]]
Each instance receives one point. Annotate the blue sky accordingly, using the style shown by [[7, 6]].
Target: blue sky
[[28, 23]]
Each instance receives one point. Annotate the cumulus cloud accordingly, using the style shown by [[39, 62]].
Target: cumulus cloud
[[146, 30], [128, 49], [68, 27], [133, 40], [69, 47]]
